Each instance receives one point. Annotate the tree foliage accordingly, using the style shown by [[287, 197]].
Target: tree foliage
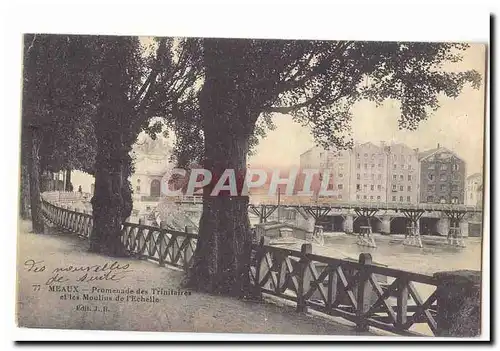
[[317, 83]]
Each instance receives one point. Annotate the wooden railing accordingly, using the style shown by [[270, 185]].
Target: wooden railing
[[162, 245], [359, 291]]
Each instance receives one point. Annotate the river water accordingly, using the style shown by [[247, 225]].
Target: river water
[[436, 255]]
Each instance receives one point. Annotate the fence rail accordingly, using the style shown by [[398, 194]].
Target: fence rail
[[359, 291]]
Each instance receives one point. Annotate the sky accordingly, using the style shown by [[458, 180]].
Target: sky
[[458, 125]]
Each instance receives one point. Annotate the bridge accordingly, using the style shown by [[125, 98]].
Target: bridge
[[451, 216]]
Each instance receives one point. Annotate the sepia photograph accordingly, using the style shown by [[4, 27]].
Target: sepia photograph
[[250, 185]]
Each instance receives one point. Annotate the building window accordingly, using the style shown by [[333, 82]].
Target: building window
[[455, 167], [430, 187], [454, 187], [454, 200], [443, 167], [443, 177], [409, 187], [358, 165], [394, 187], [155, 188], [430, 198], [442, 187], [409, 167], [339, 196], [409, 177], [400, 199], [379, 177], [358, 176], [373, 176], [394, 177], [379, 165], [358, 187], [371, 197], [401, 188], [394, 166], [365, 187], [373, 165], [402, 166], [330, 186], [372, 187], [366, 155], [379, 187], [442, 200], [378, 198], [401, 177], [364, 197], [357, 155], [341, 175], [138, 181], [138, 189], [394, 198], [408, 199], [431, 166], [357, 197], [431, 176], [340, 186], [365, 165]]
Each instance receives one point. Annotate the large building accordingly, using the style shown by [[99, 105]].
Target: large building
[[151, 164], [442, 176], [391, 173], [368, 173], [402, 173], [474, 190]]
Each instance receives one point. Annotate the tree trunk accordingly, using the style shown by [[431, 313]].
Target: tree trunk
[[111, 202], [34, 180], [108, 202], [68, 186], [222, 257], [25, 193]]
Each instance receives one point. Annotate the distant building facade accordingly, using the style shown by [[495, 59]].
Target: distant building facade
[[474, 190], [151, 164], [442, 176], [402, 172], [391, 173]]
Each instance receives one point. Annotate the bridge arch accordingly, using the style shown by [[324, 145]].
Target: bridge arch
[[399, 225]]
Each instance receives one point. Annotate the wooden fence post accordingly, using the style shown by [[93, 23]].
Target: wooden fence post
[[161, 240], [259, 256], [363, 293], [302, 269]]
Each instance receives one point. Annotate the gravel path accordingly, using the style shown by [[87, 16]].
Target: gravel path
[[39, 307]]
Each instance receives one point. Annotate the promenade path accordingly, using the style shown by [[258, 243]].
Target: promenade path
[[197, 312]]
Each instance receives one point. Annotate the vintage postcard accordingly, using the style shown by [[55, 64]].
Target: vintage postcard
[[181, 184]]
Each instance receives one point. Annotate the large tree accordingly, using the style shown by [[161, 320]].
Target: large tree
[[133, 88], [316, 82]]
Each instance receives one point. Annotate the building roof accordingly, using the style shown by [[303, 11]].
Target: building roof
[[424, 154]]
